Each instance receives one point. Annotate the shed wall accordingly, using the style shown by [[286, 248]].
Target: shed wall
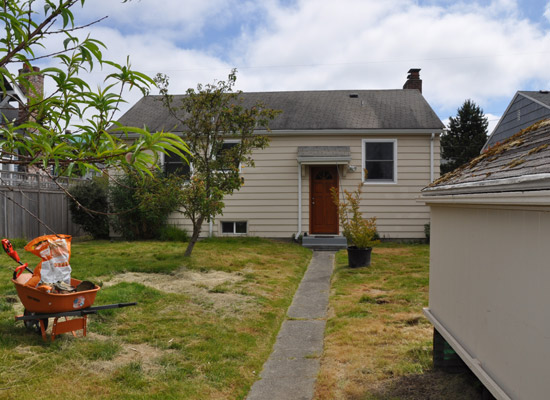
[[268, 201], [489, 288]]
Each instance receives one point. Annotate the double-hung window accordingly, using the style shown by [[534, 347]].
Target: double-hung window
[[380, 160], [175, 165], [225, 151]]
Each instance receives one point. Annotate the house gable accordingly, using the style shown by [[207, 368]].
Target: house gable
[[526, 108]]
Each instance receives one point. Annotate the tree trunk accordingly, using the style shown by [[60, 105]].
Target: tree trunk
[[194, 237]]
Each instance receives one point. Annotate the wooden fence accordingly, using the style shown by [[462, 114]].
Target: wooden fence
[[32, 203]]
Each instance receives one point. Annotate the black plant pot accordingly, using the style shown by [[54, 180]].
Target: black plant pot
[[359, 257]]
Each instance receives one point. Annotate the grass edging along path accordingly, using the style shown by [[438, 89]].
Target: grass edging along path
[[199, 332], [378, 345]]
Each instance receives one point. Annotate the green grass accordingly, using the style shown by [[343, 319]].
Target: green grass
[[378, 344], [173, 345]]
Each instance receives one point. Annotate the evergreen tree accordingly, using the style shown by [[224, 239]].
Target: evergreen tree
[[466, 136]]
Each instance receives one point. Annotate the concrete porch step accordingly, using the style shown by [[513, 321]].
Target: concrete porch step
[[324, 242]]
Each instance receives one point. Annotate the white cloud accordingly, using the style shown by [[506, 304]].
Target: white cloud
[[547, 11], [465, 50]]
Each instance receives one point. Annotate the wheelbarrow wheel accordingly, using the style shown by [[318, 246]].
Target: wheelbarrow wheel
[[34, 324]]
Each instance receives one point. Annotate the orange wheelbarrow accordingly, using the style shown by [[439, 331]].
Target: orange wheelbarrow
[[41, 305]]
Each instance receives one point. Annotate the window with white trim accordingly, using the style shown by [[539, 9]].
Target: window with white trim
[[234, 227], [380, 160], [225, 150], [175, 165]]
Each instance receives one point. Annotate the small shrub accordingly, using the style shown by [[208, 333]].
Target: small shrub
[[359, 231], [171, 233], [93, 195]]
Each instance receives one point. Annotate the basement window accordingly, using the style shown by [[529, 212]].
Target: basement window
[[380, 160], [234, 227]]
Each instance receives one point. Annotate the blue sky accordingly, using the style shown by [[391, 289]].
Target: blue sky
[[481, 50]]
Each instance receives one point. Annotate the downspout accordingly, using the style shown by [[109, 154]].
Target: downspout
[[299, 202], [432, 158]]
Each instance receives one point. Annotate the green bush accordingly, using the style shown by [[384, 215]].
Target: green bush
[[93, 195], [142, 205], [171, 233]]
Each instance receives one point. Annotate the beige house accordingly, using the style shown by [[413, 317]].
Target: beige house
[[324, 139], [489, 271]]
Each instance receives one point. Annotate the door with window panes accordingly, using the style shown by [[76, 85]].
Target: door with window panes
[[323, 212]]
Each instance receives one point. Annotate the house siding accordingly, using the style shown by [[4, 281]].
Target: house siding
[[529, 113], [268, 201]]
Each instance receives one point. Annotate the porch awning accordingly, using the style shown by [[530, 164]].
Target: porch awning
[[324, 155]]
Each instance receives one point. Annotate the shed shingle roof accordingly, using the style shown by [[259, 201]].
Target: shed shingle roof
[[314, 110], [526, 154]]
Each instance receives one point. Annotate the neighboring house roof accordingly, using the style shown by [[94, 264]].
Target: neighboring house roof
[[522, 162], [526, 108], [401, 109], [10, 93]]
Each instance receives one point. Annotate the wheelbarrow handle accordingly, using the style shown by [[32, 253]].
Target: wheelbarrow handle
[[20, 269]]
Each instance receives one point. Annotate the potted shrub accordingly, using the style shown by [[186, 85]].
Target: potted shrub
[[360, 232]]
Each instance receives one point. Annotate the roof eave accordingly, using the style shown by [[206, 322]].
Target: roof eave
[[515, 184]]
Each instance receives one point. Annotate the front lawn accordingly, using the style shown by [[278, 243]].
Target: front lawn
[[202, 329], [378, 344]]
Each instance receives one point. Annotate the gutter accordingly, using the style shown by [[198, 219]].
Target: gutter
[[311, 132]]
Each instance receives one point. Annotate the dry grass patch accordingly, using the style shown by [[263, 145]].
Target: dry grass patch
[[378, 345], [202, 329]]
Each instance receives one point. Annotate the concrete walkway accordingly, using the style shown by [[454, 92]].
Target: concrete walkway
[[291, 370]]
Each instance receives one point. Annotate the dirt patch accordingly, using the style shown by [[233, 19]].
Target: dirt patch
[[211, 289], [398, 251], [431, 385], [147, 356]]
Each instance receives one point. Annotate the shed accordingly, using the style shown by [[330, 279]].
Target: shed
[[489, 268]]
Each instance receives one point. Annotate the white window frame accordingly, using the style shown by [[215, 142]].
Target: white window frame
[[162, 155], [363, 160], [234, 233], [240, 167]]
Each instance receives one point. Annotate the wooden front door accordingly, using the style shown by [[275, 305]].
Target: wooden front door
[[323, 214]]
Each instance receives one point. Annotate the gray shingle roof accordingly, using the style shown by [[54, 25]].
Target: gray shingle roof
[[527, 153], [314, 110]]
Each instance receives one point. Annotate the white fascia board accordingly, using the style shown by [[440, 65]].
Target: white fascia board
[[516, 184], [475, 365], [534, 198]]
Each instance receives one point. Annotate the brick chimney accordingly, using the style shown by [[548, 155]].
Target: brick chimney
[[413, 80], [37, 81], [34, 90]]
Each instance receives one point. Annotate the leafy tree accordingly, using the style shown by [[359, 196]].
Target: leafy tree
[[210, 116], [466, 136], [40, 136]]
